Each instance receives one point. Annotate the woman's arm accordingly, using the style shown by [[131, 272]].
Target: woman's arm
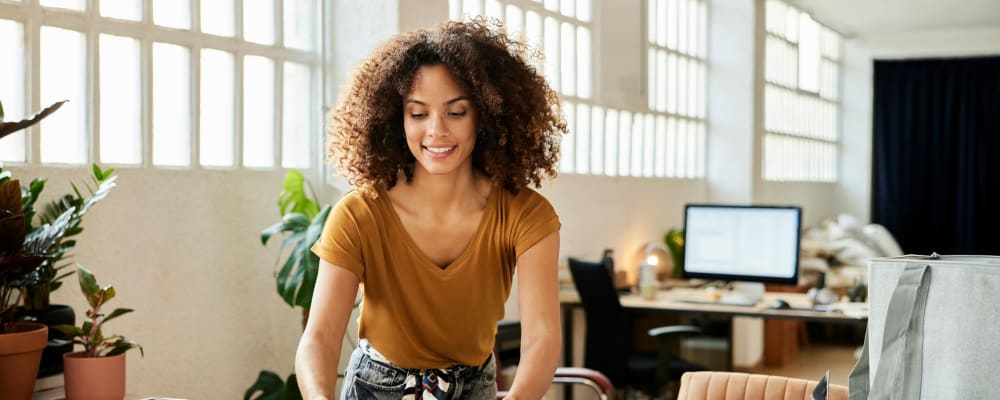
[[318, 355], [541, 337]]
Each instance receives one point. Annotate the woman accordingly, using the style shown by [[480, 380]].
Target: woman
[[441, 131]]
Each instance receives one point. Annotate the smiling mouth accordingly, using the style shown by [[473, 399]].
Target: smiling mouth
[[439, 150]]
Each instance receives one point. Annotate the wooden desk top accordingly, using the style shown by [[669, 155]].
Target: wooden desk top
[[666, 300]]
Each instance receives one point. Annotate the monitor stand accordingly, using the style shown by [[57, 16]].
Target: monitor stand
[[743, 293]]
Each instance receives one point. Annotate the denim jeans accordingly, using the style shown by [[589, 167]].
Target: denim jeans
[[370, 376]]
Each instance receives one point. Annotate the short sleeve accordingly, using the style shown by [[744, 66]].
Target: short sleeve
[[536, 219], [340, 243]]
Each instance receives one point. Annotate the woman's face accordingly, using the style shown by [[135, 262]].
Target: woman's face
[[440, 121]]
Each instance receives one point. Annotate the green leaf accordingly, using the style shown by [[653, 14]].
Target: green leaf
[[87, 327], [283, 281], [293, 199], [88, 285], [1, 111], [109, 293], [122, 345], [266, 234], [310, 264], [269, 385], [69, 330], [116, 313]]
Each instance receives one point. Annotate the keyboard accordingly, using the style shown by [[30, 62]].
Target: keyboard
[[727, 300]]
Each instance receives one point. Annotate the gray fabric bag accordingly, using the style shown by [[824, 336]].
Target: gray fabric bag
[[933, 329]]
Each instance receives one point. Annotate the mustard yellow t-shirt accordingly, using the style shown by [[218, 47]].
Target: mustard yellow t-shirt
[[413, 312]]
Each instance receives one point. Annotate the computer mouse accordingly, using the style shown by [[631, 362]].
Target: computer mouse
[[780, 304]]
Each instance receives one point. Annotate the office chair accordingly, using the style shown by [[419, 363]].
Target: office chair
[[710, 385], [609, 330]]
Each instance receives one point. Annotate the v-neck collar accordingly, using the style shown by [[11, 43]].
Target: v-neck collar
[[424, 259]]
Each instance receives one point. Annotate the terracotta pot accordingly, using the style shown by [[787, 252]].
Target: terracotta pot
[[94, 378], [52, 356], [20, 354]]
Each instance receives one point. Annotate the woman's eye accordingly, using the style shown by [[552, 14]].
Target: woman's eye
[[417, 116], [456, 114]]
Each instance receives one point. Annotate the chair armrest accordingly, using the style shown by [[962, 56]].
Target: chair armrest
[[595, 380], [667, 331]]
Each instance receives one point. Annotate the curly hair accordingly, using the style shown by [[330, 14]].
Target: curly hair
[[520, 118]]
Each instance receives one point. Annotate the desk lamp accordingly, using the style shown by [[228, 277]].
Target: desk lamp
[[652, 259]]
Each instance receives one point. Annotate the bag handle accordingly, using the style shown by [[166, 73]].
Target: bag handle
[[899, 371]]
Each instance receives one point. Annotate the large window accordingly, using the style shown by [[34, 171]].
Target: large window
[[183, 84], [800, 97], [676, 36], [666, 139]]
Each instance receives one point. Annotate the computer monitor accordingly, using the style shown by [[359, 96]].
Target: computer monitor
[[742, 243]]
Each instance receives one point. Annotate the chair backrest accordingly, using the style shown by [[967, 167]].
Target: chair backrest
[[710, 385], [607, 332]]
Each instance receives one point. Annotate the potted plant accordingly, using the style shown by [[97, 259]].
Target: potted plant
[[302, 221], [97, 372], [21, 343], [48, 276], [21, 252]]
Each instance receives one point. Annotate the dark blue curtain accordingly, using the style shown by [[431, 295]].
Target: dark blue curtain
[[936, 154]]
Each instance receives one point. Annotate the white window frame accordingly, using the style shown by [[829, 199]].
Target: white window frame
[[801, 139], [33, 16], [676, 156]]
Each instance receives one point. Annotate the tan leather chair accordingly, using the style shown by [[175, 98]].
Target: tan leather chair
[[709, 385]]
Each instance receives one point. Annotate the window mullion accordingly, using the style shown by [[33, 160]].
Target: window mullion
[[93, 110], [279, 105], [279, 87], [146, 86], [33, 30]]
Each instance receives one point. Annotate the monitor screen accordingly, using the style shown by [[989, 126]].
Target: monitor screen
[[742, 243]]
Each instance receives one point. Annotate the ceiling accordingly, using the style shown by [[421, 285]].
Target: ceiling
[[872, 18]]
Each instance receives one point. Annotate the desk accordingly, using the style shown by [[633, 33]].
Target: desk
[[665, 302]]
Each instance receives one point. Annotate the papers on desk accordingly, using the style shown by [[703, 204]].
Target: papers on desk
[[856, 310]]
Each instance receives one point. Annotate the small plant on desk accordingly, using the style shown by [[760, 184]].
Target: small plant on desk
[[99, 370]]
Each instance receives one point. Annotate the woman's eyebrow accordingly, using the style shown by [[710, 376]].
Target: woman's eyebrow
[[459, 98]]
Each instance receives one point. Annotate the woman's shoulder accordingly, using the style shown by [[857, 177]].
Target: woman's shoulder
[[524, 198], [357, 203]]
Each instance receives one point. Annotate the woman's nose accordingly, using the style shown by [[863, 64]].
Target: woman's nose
[[435, 125]]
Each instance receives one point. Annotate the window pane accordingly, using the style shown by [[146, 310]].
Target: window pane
[[808, 54], [218, 17], [582, 139], [12, 147], [218, 108], [567, 145], [515, 21], [494, 9], [171, 105], [122, 9], [121, 101], [583, 63], [583, 11], [172, 13], [69, 4], [296, 138], [567, 59], [64, 76], [258, 112], [471, 8], [258, 21], [300, 16], [552, 52]]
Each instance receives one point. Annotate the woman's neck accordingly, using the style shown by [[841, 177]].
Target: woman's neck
[[450, 191]]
